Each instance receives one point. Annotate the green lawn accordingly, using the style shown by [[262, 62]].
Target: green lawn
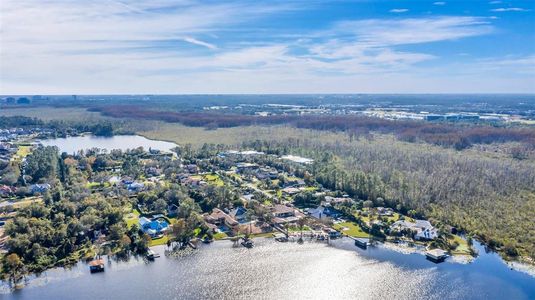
[[463, 248], [22, 152], [132, 218], [214, 179], [353, 229], [220, 236], [159, 241]]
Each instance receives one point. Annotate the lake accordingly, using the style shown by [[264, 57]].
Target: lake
[[274, 270], [122, 142]]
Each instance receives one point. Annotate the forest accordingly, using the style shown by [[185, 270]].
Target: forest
[[458, 136]]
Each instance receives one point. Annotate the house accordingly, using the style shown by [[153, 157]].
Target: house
[[6, 191], [172, 210], [39, 188], [242, 167], [193, 182], [135, 186], [422, 229], [154, 228], [291, 190], [153, 171], [192, 168], [337, 200], [323, 211], [220, 218], [247, 197], [385, 211], [113, 180], [239, 214], [283, 214]]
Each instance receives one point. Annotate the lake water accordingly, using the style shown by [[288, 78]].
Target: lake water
[[274, 270], [122, 142]]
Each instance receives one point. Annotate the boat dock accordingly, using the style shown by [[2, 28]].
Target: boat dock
[[362, 242], [436, 255], [96, 265]]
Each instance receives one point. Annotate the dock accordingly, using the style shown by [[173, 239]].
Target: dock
[[436, 255], [361, 242], [96, 265]]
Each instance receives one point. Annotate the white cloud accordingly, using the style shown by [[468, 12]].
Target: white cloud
[[200, 43], [398, 10], [439, 3], [165, 46], [415, 30], [495, 2], [505, 9]]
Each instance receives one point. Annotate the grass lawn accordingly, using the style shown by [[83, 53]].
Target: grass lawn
[[22, 152], [463, 248], [353, 229], [159, 241], [132, 218], [214, 179], [265, 234], [220, 236]]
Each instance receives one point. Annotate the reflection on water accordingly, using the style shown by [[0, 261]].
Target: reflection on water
[[287, 271], [122, 142]]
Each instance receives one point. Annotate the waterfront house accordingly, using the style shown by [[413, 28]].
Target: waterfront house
[[323, 211], [422, 229], [154, 227], [283, 214], [239, 214], [221, 219]]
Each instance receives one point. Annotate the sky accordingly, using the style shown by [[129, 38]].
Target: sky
[[256, 47]]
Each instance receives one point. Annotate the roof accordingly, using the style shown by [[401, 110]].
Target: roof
[[96, 262], [281, 209]]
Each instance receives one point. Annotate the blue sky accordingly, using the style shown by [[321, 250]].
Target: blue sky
[[188, 46]]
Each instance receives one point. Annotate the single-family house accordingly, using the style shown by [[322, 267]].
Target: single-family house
[[154, 227], [422, 229], [239, 214], [385, 211], [220, 218], [39, 188], [283, 214]]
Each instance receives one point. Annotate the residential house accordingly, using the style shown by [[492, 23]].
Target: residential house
[[6, 191], [221, 219], [283, 214], [384, 211], [422, 229], [39, 188], [239, 214], [154, 228], [135, 187]]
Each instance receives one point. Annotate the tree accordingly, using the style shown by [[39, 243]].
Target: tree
[[160, 205], [14, 265], [178, 230]]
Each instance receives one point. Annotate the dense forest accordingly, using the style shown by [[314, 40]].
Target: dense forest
[[458, 136]]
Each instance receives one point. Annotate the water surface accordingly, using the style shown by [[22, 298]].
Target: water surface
[[274, 270], [122, 142]]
